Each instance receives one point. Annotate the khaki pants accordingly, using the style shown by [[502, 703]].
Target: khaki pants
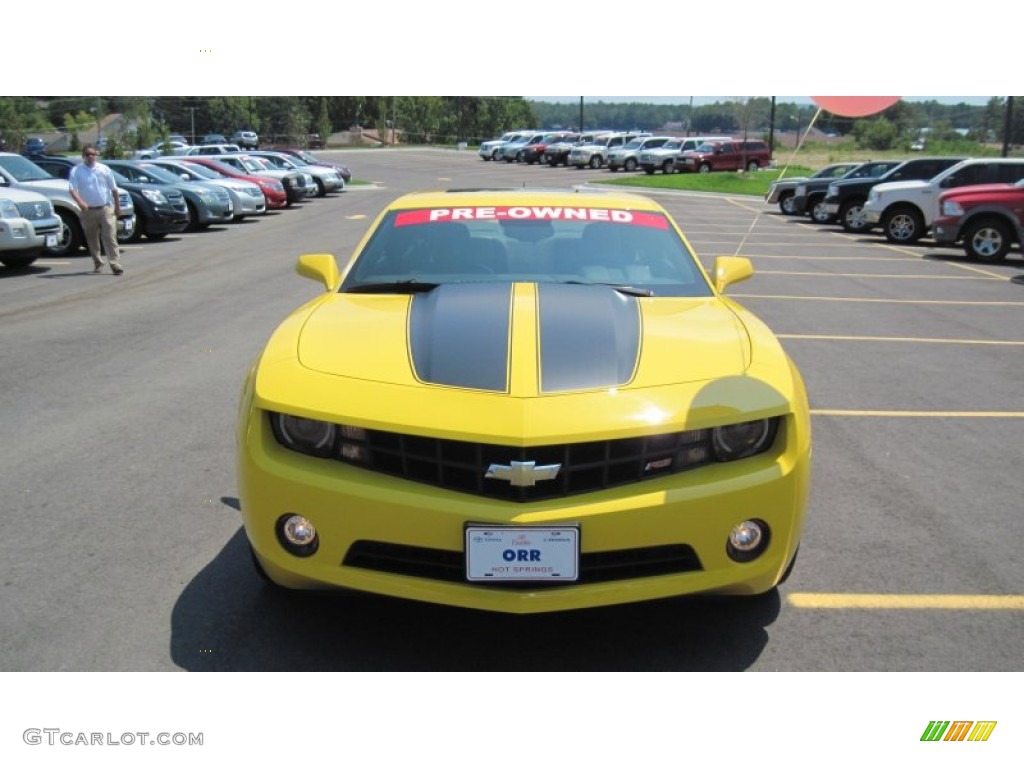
[[100, 227]]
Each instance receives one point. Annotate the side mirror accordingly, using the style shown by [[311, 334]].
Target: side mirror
[[731, 269], [319, 266]]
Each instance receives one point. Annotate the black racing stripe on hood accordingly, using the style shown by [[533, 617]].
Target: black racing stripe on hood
[[459, 335], [589, 337]]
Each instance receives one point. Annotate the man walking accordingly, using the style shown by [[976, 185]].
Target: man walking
[[93, 187]]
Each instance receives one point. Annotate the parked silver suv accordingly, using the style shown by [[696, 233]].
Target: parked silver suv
[[28, 225], [626, 156], [595, 155]]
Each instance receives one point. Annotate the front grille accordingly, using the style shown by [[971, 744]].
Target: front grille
[[35, 211], [584, 467], [595, 567]]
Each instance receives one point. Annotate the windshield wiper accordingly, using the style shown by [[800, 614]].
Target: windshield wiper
[[396, 286], [629, 290]]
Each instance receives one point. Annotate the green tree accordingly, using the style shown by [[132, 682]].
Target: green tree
[[877, 133], [323, 121]]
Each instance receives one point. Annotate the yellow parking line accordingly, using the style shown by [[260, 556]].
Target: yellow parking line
[[917, 340], [887, 277], [922, 414], [921, 256], [907, 602], [878, 301]]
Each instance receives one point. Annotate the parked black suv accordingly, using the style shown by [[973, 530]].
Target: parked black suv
[[845, 198], [809, 195]]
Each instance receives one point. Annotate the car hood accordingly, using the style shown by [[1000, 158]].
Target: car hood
[[899, 186], [476, 336], [521, 364], [47, 186], [984, 190]]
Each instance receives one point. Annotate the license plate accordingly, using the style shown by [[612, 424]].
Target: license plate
[[51, 240], [522, 553], [123, 225]]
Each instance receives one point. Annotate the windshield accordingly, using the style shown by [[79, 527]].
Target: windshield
[[252, 165], [639, 252], [198, 170], [273, 161], [160, 175], [22, 169], [634, 144], [705, 147]]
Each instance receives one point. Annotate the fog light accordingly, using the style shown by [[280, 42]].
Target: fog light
[[297, 535], [747, 540]]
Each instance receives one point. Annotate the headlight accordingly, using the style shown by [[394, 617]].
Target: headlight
[[154, 195], [873, 196], [309, 436], [801, 190], [833, 190], [952, 208], [738, 441], [8, 210]]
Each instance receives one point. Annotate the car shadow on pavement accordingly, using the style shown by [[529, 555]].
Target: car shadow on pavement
[[227, 619]]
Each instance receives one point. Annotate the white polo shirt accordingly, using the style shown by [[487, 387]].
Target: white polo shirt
[[96, 185]]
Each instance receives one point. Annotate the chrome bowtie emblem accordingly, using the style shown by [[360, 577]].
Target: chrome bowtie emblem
[[523, 473]]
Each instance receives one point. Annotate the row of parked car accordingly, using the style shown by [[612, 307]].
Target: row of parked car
[[628, 151], [158, 196], [977, 202]]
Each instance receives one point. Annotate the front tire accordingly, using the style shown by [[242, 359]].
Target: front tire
[[987, 240], [126, 235], [595, 162], [753, 166], [71, 235], [18, 260], [851, 216], [704, 168], [904, 225], [630, 165], [786, 204], [819, 214]]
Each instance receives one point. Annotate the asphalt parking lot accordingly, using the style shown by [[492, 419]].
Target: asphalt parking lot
[[122, 545]]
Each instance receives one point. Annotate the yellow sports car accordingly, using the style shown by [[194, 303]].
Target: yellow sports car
[[524, 401]]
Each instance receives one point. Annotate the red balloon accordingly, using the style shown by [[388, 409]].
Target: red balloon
[[854, 106]]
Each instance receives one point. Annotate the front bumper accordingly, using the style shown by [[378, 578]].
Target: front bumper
[[162, 221], [355, 509], [20, 235], [215, 212], [947, 231], [872, 214]]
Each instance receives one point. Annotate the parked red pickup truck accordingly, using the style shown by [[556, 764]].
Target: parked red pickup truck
[[987, 218], [726, 156]]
